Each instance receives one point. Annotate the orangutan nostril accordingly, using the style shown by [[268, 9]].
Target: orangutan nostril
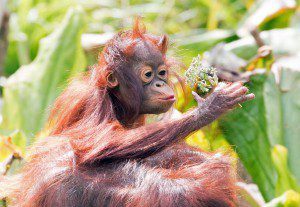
[[159, 84]]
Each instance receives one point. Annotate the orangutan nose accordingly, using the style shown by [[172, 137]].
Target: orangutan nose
[[159, 84]]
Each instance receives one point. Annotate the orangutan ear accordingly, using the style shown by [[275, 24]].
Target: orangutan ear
[[163, 44], [112, 81]]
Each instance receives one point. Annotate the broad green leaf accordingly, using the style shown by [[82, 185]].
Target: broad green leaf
[[288, 199], [31, 90], [10, 145], [283, 110], [272, 118], [285, 181], [245, 128], [193, 44], [2, 203], [274, 121], [31, 20], [18, 50], [13, 143], [250, 193], [263, 11], [289, 91], [223, 59], [197, 139], [19, 139], [263, 59], [283, 42]]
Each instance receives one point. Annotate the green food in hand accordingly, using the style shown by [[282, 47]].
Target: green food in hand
[[200, 75]]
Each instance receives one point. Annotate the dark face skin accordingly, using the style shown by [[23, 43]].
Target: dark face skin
[[151, 69]]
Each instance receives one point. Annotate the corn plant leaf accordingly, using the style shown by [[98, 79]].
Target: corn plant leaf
[[29, 22], [245, 128], [289, 91], [283, 109], [272, 118], [29, 92]]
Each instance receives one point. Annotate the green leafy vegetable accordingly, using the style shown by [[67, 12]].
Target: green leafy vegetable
[[29, 92], [271, 118], [200, 75]]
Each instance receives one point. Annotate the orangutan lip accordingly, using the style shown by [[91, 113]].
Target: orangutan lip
[[168, 98]]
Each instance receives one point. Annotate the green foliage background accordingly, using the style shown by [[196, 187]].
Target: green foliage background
[[51, 41]]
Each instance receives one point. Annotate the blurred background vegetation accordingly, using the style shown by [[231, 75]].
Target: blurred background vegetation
[[43, 43]]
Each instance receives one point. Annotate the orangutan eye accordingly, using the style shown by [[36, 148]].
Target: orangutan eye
[[162, 72], [147, 74]]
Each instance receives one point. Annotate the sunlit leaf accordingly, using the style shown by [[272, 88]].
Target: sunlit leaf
[[250, 193], [29, 22], [285, 180], [282, 41], [29, 92], [263, 11], [245, 128], [192, 45], [288, 88], [197, 139], [263, 59], [224, 59], [271, 118], [288, 199], [8, 147]]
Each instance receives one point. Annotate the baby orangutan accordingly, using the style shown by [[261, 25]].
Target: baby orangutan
[[100, 152]]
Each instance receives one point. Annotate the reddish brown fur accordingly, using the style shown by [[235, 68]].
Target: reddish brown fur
[[100, 153]]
